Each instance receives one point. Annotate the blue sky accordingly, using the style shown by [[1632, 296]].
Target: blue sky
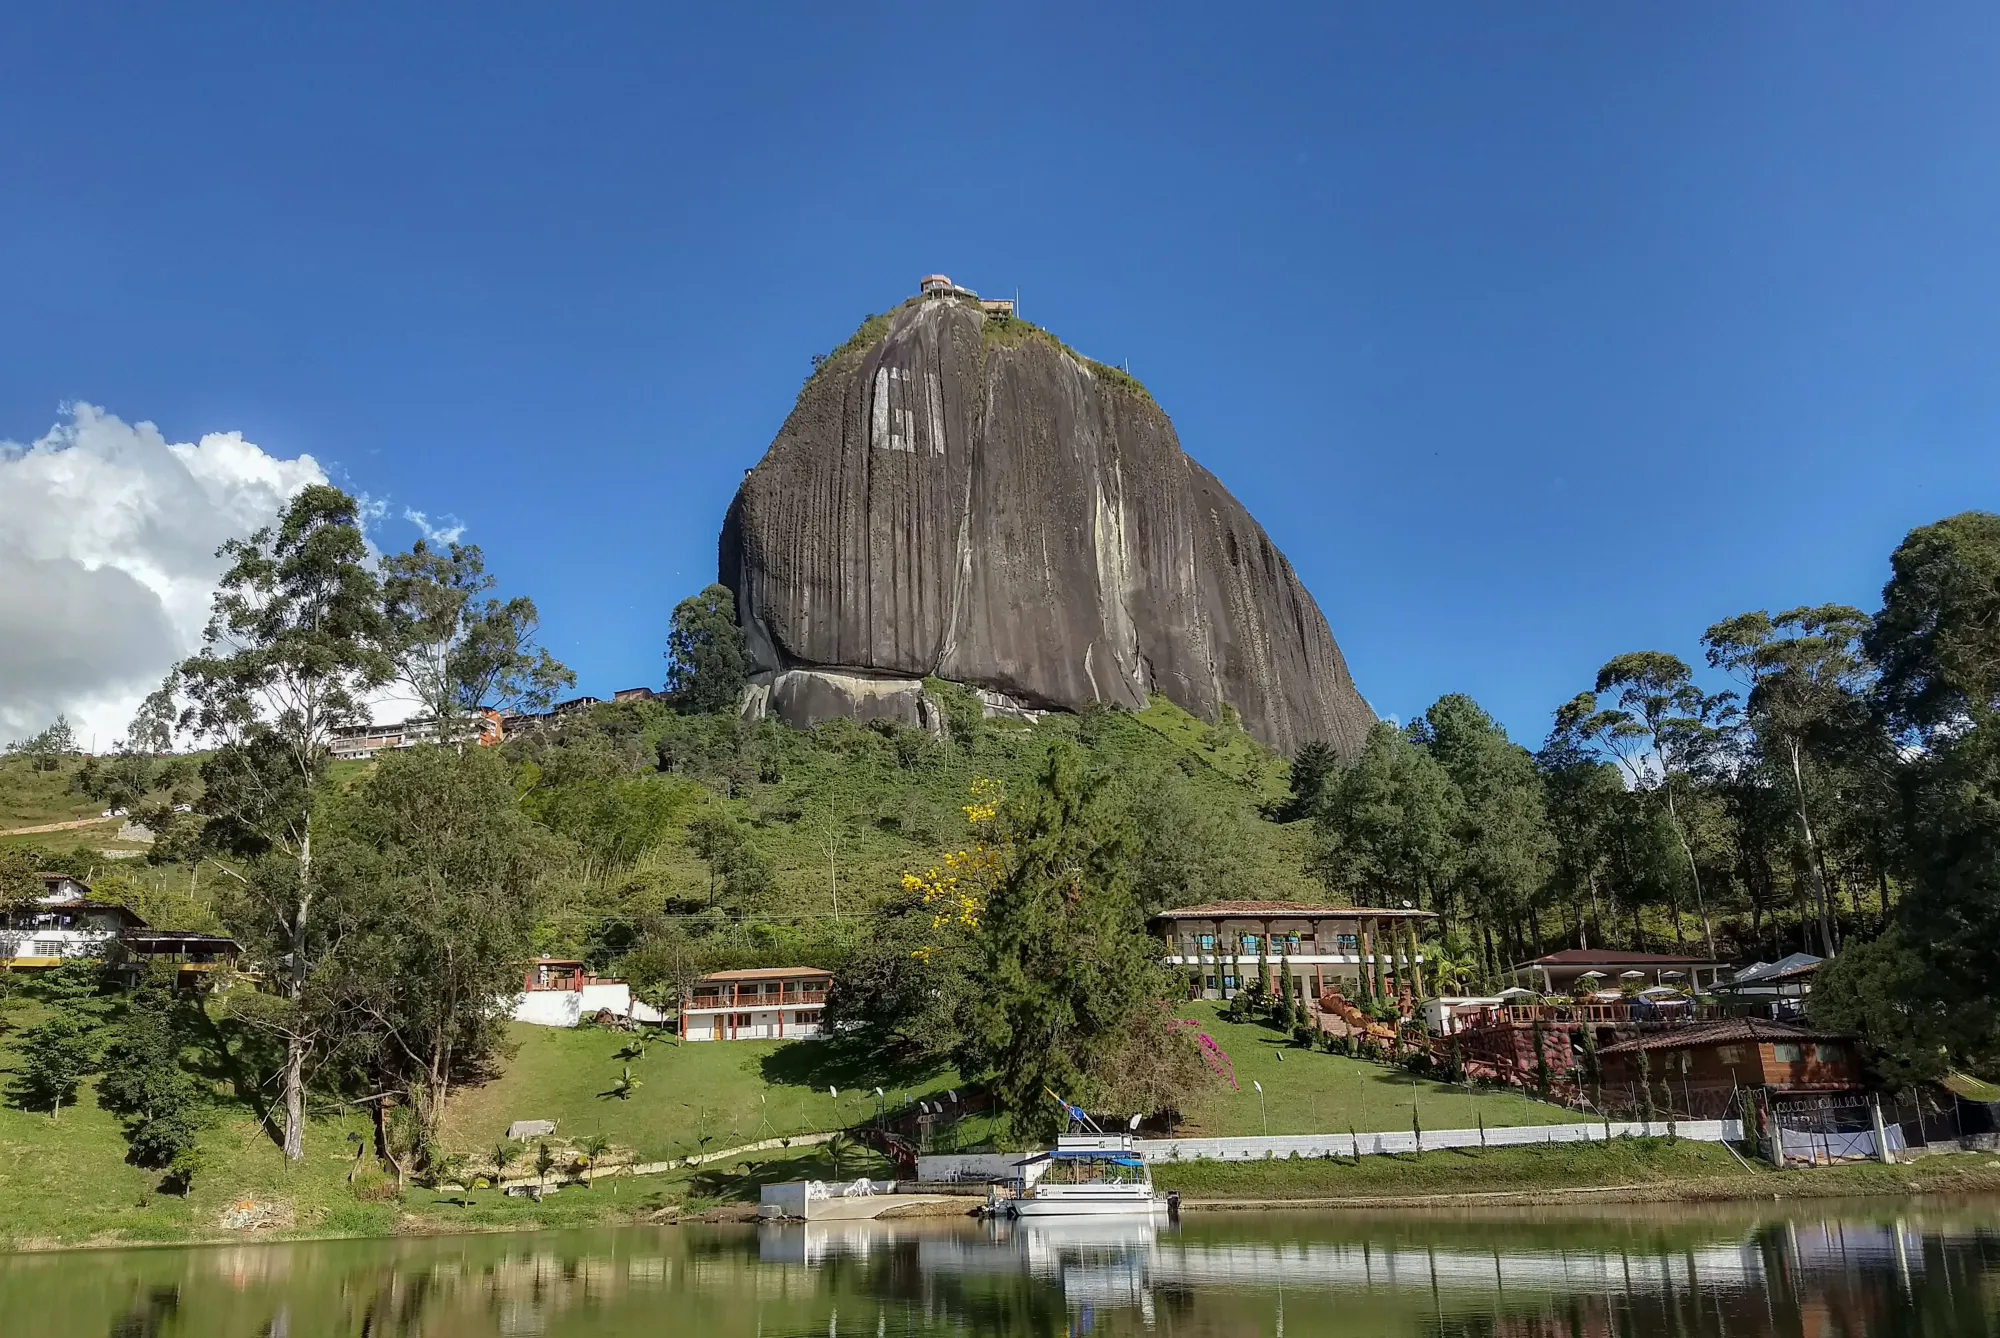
[[1533, 334]]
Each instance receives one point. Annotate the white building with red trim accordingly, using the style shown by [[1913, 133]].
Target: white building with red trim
[[765, 1003]]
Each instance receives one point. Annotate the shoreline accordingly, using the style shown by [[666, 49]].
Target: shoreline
[[1942, 1175]]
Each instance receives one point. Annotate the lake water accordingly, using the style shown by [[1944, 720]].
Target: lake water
[[1930, 1267]]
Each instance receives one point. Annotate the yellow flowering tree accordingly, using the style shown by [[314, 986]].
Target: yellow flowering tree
[[956, 890]]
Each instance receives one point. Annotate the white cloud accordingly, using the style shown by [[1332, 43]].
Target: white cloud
[[449, 529], [108, 534]]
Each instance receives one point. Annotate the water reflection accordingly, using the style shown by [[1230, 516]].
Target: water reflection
[[1866, 1270], [1480, 1276]]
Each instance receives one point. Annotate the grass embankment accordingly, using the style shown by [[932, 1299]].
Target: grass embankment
[[1625, 1169], [66, 1181]]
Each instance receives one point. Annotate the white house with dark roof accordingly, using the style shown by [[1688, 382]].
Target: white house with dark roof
[[67, 922]]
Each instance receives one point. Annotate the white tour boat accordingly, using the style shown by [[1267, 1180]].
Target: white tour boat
[[1088, 1175]]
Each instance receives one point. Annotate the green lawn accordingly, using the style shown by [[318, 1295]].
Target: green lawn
[[66, 1180], [704, 1096], [708, 1096], [1312, 1092], [1622, 1161], [1662, 1169]]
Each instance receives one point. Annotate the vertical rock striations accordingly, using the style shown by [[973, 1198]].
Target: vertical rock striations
[[972, 500]]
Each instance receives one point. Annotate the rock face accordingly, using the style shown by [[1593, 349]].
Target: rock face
[[970, 499]]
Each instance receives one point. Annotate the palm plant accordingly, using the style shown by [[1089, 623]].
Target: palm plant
[[503, 1155], [1450, 966], [545, 1161], [591, 1151], [837, 1148], [450, 1169], [625, 1084]]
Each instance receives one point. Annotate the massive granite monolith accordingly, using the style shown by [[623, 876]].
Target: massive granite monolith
[[965, 497]]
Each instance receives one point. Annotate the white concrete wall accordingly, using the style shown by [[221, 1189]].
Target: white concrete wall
[[1377, 1144], [549, 1008], [568, 1008]]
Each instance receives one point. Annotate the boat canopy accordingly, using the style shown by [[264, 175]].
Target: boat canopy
[[1115, 1158]]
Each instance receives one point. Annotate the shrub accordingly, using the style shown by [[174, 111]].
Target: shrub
[[371, 1186]]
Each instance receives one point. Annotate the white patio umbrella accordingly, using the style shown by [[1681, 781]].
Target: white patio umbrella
[[1631, 975]]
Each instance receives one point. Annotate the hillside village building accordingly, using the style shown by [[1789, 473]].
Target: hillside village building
[[66, 923], [561, 992], [777, 1003], [358, 743], [1326, 947]]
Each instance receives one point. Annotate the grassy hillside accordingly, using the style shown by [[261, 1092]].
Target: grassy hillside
[[839, 812], [693, 1098], [31, 798], [835, 810], [1309, 1092]]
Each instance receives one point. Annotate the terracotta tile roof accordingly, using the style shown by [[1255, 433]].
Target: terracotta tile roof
[[767, 973], [1733, 1031], [1280, 909], [1613, 957]]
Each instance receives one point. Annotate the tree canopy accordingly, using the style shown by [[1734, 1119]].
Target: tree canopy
[[707, 664]]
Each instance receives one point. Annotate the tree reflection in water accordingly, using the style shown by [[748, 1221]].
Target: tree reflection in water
[[1899, 1270]]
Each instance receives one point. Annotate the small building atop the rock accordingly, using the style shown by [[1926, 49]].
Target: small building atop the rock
[[940, 285]]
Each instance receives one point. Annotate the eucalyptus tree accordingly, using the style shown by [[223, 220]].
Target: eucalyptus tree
[[294, 644], [1807, 676], [459, 650], [1661, 728]]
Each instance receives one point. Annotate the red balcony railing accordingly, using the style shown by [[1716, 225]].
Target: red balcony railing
[[746, 998]]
